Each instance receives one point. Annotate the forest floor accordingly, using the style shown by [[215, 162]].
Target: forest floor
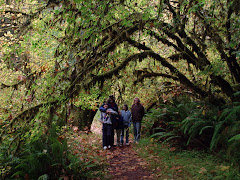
[[126, 164], [146, 160], [118, 162]]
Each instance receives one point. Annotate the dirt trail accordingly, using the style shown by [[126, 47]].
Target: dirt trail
[[125, 164]]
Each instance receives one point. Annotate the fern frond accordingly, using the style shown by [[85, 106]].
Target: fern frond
[[43, 177], [206, 127], [216, 135], [235, 138], [170, 138], [158, 134]]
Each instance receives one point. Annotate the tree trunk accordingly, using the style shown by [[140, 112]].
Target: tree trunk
[[82, 117]]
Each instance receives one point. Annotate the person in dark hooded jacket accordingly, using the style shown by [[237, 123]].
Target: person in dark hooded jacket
[[119, 128], [111, 104], [106, 120]]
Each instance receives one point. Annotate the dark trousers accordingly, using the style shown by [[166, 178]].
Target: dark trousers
[[114, 125], [106, 134], [112, 137]]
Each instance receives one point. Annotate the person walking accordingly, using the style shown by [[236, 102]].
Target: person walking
[[137, 115], [119, 128], [126, 115], [111, 104], [106, 120]]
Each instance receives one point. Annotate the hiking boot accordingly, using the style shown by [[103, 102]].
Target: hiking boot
[[105, 147], [109, 147]]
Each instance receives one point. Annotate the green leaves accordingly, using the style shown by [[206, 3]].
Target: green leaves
[[235, 138], [127, 23]]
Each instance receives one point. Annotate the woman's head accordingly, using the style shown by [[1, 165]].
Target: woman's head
[[105, 105], [125, 107]]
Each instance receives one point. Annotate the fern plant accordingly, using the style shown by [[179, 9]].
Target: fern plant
[[188, 120], [41, 157], [46, 157], [199, 124], [227, 126]]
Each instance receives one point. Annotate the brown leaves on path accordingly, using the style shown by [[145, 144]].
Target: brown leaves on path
[[125, 164]]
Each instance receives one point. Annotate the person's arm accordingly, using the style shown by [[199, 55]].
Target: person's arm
[[131, 113], [130, 119], [112, 111]]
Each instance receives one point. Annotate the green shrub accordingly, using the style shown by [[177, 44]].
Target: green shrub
[[47, 157], [198, 125]]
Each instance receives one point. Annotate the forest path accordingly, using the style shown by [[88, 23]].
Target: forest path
[[125, 164]]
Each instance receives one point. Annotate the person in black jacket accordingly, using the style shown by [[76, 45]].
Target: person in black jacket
[[105, 119], [119, 128], [111, 104]]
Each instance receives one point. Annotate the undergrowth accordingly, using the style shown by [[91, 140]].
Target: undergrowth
[[87, 148], [169, 163], [58, 154], [188, 124]]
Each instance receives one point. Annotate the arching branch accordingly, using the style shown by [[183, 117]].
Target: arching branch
[[188, 55], [183, 79], [94, 58], [15, 86], [108, 75], [147, 74], [27, 114]]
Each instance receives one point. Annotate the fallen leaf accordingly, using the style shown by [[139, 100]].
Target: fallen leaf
[[202, 170], [224, 168]]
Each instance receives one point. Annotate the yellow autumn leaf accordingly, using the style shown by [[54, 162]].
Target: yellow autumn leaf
[[224, 168], [204, 112]]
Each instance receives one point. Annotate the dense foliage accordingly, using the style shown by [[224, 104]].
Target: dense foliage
[[189, 125], [60, 54]]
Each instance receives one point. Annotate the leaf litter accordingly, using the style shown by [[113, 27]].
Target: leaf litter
[[121, 162]]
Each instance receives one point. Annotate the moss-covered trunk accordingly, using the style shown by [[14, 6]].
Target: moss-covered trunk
[[82, 117]]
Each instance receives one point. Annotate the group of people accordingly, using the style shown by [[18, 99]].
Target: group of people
[[120, 120]]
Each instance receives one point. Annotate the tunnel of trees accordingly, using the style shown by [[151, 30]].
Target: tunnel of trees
[[61, 59]]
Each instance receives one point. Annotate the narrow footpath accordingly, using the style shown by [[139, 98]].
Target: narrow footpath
[[125, 164]]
